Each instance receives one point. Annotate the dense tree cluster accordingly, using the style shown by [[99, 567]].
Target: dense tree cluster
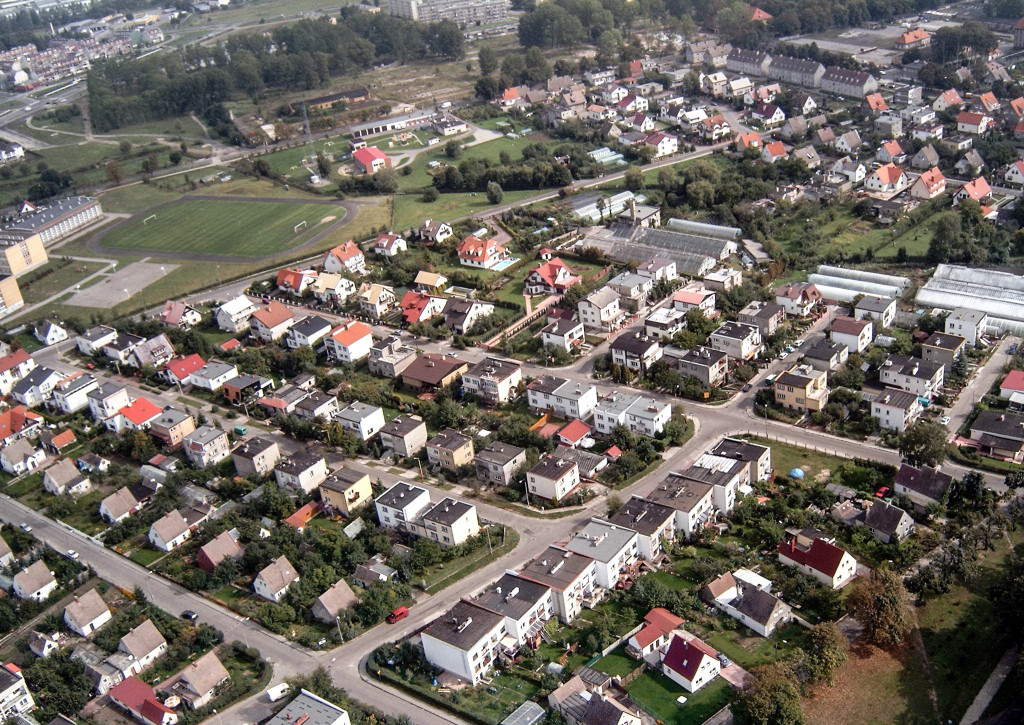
[[303, 55]]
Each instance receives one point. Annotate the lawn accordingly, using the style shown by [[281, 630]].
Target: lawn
[[420, 176], [146, 556], [55, 276], [169, 128], [437, 579], [236, 228], [750, 650], [136, 197], [27, 486], [658, 695], [786, 457], [411, 210], [289, 161], [616, 663]]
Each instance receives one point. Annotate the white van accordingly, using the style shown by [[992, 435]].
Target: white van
[[276, 692]]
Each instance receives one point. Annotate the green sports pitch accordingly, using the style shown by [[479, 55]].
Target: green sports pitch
[[229, 228]]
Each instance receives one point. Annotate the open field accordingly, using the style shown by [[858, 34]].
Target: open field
[[169, 128], [235, 228], [874, 687], [259, 10], [136, 197], [411, 210], [419, 177]]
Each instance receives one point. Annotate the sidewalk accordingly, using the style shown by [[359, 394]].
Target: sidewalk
[[990, 688]]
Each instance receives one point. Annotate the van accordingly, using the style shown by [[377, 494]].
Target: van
[[769, 381], [398, 615], [241, 430], [277, 692]]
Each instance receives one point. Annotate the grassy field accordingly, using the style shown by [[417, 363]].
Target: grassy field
[[786, 457], [874, 687], [491, 151], [56, 275], [236, 228], [169, 128], [136, 197], [616, 663], [410, 210]]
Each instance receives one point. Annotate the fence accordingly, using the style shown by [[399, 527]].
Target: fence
[[522, 323], [620, 640]]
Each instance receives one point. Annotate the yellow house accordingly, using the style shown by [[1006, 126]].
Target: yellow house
[[23, 256], [10, 295], [450, 450], [346, 490], [802, 388]]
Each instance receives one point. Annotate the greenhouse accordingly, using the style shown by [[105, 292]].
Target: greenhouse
[[1000, 294]]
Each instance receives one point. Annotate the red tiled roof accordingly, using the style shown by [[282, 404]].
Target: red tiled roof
[[478, 249], [971, 118], [660, 622], [747, 140], [346, 251], [613, 453], [820, 556], [1013, 381], [140, 411], [15, 420], [230, 344], [368, 154], [413, 304], [933, 178], [797, 290], [548, 273], [135, 695], [304, 515], [890, 173], [952, 97], [64, 438], [776, 148], [290, 279], [350, 332], [1017, 104], [685, 656], [7, 362], [977, 189], [913, 36], [893, 147], [876, 102], [182, 367], [757, 15], [575, 431], [273, 314]]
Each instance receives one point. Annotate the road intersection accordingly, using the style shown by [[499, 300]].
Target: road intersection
[[346, 663]]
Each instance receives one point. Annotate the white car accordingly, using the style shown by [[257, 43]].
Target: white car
[[26, 528], [72, 554], [944, 420], [783, 355], [798, 343]]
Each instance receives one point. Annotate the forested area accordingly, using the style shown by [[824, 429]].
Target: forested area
[[301, 56]]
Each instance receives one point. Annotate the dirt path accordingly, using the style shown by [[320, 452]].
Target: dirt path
[[351, 214]]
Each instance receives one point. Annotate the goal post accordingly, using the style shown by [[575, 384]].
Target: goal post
[[299, 226], [148, 219]]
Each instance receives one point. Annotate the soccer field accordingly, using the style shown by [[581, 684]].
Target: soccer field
[[224, 228]]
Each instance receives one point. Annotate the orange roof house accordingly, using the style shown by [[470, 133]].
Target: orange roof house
[[875, 102], [482, 253]]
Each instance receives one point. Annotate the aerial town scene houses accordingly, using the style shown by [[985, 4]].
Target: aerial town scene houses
[[511, 364]]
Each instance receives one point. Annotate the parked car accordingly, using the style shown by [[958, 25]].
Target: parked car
[[783, 355], [746, 387], [277, 692], [72, 554], [724, 660], [882, 492], [798, 343], [189, 615], [26, 528], [944, 420], [398, 615]]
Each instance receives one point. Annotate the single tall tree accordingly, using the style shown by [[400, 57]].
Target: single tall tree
[[882, 607]]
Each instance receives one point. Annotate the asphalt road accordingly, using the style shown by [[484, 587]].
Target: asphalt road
[[346, 662]]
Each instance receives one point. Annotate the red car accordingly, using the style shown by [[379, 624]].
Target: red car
[[882, 492], [398, 615]]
